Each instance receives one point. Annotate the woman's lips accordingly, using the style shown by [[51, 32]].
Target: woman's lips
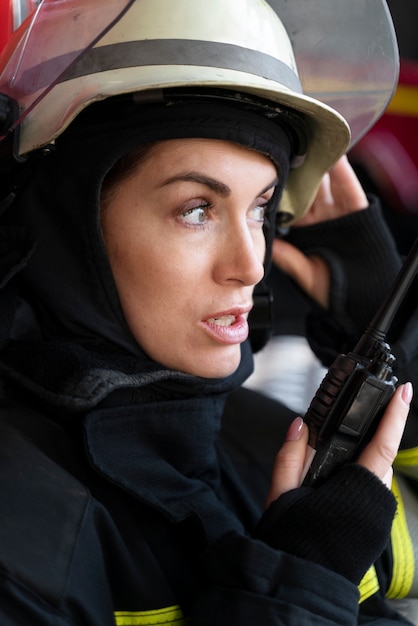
[[229, 328]]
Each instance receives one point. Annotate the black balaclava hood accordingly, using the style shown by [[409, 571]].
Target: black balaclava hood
[[68, 323]]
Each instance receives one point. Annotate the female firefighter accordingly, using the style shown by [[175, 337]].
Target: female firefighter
[[148, 180]]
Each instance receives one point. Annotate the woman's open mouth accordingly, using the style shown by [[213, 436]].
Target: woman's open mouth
[[228, 329]]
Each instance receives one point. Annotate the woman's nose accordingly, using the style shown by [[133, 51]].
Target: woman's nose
[[242, 257]]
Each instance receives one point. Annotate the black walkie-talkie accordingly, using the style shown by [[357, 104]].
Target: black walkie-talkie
[[352, 397]]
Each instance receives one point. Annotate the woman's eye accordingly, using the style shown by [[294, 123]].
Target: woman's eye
[[258, 213], [195, 216]]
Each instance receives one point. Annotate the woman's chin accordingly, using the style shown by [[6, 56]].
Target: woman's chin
[[221, 366]]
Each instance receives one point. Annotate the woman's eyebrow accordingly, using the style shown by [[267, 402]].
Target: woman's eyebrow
[[201, 179], [274, 183], [212, 183]]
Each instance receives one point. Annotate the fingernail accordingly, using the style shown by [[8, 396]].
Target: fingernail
[[295, 430], [407, 392]]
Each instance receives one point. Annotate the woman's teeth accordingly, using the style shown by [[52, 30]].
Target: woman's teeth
[[225, 320]]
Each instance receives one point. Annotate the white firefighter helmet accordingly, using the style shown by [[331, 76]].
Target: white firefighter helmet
[[238, 45]]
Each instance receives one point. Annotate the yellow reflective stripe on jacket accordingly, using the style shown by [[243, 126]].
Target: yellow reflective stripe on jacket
[[406, 462], [404, 545], [403, 553], [170, 615], [369, 584]]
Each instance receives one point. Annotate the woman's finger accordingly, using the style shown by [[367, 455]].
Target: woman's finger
[[380, 453], [290, 461], [310, 273], [339, 194], [387, 478], [346, 188]]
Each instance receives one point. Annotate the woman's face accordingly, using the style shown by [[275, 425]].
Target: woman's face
[[185, 242]]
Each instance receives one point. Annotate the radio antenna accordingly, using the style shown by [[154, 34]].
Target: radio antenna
[[383, 319]]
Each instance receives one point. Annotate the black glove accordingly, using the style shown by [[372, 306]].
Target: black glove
[[363, 260], [343, 524]]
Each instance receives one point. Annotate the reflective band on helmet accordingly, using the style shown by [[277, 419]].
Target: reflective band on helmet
[[184, 52]]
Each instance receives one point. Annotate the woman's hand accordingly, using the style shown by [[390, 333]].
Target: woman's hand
[[377, 457], [340, 193], [290, 461]]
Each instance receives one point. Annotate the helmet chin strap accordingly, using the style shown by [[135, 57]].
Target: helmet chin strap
[[260, 319]]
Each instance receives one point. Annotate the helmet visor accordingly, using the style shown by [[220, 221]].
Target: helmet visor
[[346, 53], [66, 30]]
